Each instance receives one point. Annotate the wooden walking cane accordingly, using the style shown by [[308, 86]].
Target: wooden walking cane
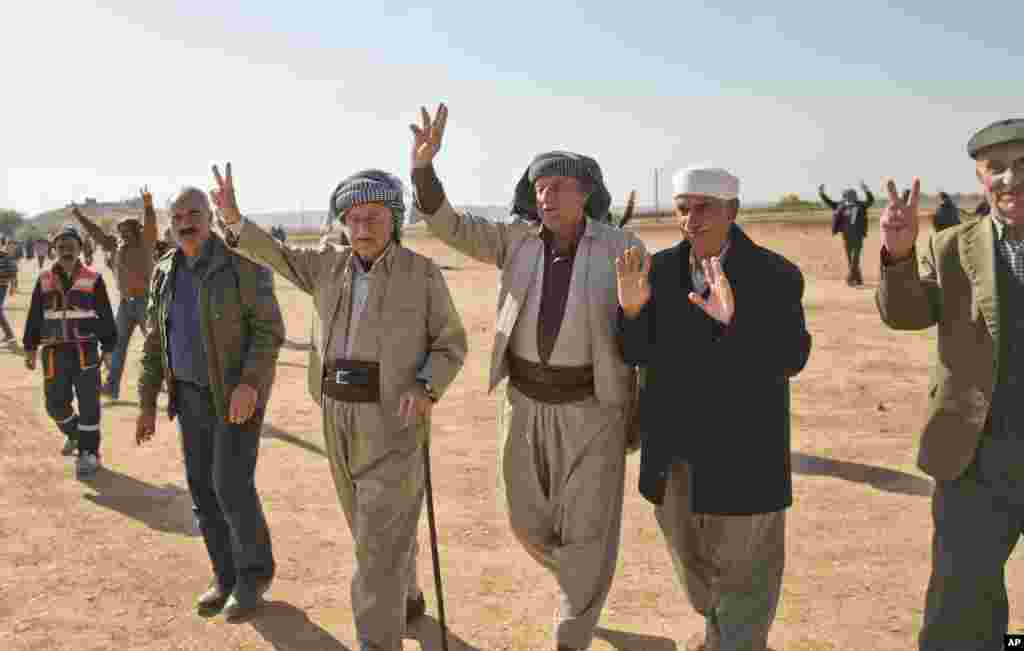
[[433, 544]]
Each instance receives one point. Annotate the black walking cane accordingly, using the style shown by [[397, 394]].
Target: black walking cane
[[433, 545]]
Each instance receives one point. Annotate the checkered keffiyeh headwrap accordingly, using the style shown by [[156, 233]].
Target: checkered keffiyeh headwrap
[[562, 163], [368, 186]]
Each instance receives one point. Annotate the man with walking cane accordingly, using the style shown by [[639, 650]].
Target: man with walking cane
[[387, 342]]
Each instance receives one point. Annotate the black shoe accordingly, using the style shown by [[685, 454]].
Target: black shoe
[[415, 608], [246, 600], [213, 599]]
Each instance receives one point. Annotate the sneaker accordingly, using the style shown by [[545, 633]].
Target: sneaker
[[70, 447], [87, 465]]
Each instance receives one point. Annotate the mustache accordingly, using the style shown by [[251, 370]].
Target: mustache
[[188, 230]]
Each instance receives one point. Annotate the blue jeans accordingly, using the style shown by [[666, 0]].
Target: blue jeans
[[8, 333], [130, 313]]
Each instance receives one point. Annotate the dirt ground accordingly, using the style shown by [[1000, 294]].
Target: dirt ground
[[115, 563]]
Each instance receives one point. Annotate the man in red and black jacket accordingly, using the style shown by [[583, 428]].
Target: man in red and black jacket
[[69, 319]]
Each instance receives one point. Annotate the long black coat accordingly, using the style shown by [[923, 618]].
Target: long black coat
[[718, 397]]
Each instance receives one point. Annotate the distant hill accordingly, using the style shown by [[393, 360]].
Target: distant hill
[[105, 213]]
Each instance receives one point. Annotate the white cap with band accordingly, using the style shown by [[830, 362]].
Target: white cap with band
[[707, 181]]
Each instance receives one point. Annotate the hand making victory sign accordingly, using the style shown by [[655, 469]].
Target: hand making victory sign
[[428, 136], [899, 223], [223, 195]]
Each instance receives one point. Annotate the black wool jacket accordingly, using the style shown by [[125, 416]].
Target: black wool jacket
[[718, 397]]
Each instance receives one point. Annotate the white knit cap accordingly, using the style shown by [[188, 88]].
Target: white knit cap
[[706, 180]]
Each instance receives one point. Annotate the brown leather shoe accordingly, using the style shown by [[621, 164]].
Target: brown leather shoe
[[415, 608], [244, 601], [213, 599]]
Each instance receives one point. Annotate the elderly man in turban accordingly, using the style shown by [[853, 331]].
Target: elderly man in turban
[[564, 418], [387, 344], [968, 281], [717, 322]]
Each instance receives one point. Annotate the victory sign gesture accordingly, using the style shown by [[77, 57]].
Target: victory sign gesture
[[720, 303], [223, 195], [899, 223], [631, 274], [428, 136]]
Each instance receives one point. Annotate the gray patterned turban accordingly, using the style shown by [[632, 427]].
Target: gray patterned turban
[[368, 186], [562, 163]]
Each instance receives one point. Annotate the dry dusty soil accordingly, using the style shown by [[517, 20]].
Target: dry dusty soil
[[115, 563]]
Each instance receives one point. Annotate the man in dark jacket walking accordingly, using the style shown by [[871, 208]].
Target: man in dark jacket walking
[[69, 318], [717, 322], [215, 333], [850, 217]]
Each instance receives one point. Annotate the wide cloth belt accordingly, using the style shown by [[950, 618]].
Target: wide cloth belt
[[348, 380], [56, 315], [551, 384]]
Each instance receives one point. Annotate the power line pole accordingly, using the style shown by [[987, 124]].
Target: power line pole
[[657, 212]]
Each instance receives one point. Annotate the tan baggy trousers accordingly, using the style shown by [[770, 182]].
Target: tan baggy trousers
[[730, 565], [379, 478], [562, 473]]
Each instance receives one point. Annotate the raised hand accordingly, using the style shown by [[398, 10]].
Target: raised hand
[[223, 196], [427, 137], [631, 273], [720, 303], [76, 211], [899, 223], [630, 208], [147, 197]]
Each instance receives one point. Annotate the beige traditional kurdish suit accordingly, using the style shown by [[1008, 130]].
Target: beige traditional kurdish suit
[[400, 314], [561, 465]]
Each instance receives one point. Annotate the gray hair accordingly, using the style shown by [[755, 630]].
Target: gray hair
[[187, 192]]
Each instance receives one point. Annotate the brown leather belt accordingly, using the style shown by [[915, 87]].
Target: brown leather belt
[[348, 380], [554, 385]]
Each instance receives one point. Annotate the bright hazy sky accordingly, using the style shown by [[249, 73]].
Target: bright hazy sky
[[101, 98]]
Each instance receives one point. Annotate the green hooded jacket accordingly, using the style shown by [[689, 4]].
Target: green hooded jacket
[[240, 321]]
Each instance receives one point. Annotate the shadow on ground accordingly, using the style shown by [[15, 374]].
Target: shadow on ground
[[427, 631], [287, 628], [634, 641], [166, 508], [885, 479], [272, 432]]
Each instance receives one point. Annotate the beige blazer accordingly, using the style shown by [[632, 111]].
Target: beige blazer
[[954, 286], [514, 249], [418, 326]]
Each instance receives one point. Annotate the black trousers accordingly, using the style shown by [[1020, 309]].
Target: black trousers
[[71, 371], [979, 518], [854, 247], [220, 467]]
